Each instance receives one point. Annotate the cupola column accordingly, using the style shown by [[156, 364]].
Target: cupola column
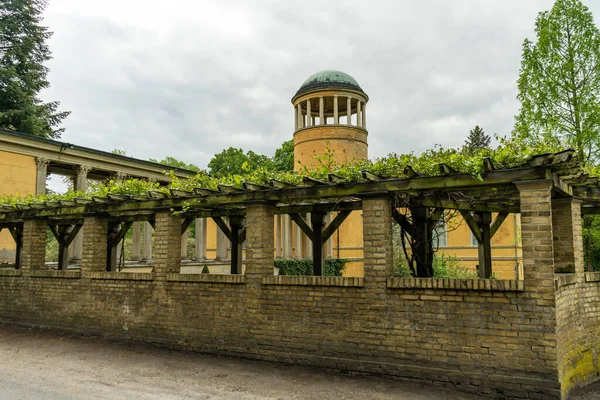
[[358, 119], [295, 119], [364, 116], [321, 111], [336, 116], [349, 110], [308, 114], [300, 120]]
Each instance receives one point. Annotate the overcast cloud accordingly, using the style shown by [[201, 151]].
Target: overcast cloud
[[187, 78]]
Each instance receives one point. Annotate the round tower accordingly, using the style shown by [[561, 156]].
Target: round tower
[[330, 112]]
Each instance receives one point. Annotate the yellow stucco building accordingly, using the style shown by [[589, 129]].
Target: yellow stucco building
[[17, 175]]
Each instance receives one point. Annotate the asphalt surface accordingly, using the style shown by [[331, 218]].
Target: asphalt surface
[[49, 366]]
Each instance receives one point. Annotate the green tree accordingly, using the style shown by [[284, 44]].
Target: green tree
[[234, 161], [559, 80], [23, 51], [175, 163], [283, 160], [477, 140]]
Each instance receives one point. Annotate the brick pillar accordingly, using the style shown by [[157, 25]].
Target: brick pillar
[[34, 244], [167, 244], [536, 231], [538, 269], [94, 253], [260, 232], [567, 235], [377, 241]]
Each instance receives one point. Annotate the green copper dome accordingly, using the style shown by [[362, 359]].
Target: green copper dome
[[329, 79]]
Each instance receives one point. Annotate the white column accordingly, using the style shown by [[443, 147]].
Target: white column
[[295, 119], [298, 249], [329, 244], [364, 116], [308, 243], [287, 236], [119, 176], [42, 173], [349, 110], [222, 244], [321, 111], [136, 237], [278, 236], [300, 117], [200, 239], [336, 116], [147, 242], [308, 114], [80, 185], [300, 121], [184, 237]]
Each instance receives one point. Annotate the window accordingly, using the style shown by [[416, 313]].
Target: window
[[474, 241], [440, 234]]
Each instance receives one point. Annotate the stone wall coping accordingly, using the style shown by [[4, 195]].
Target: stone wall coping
[[127, 276], [51, 273], [338, 281], [592, 276], [10, 272], [456, 284], [564, 280], [206, 278]]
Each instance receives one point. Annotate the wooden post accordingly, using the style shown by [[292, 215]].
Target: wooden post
[[317, 220], [422, 241], [64, 235], [113, 232], [116, 232], [17, 234], [63, 249], [483, 220], [236, 223]]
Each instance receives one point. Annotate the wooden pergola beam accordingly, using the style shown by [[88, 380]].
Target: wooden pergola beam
[[402, 221], [472, 224], [335, 224], [299, 220], [293, 195], [116, 233], [64, 235], [500, 218], [467, 206]]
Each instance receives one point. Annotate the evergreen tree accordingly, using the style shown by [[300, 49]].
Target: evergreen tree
[[23, 51], [477, 140]]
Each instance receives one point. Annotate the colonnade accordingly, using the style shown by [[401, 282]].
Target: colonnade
[[290, 241], [330, 106]]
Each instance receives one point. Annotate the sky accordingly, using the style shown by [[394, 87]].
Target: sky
[[189, 78]]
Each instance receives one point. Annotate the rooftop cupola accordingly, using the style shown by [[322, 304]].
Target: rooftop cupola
[[330, 112]]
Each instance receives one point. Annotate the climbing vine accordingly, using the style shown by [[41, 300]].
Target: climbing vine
[[510, 153]]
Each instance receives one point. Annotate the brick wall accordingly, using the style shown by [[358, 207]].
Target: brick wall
[[578, 330], [497, 338], [34, 247]]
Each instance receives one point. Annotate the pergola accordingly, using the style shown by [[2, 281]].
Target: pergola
[[424, 198]]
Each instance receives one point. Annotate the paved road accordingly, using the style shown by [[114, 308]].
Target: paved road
[[42, 365]]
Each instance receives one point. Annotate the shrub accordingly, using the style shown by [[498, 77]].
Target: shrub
[[304, 266], [450, 267], [443, 267]]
